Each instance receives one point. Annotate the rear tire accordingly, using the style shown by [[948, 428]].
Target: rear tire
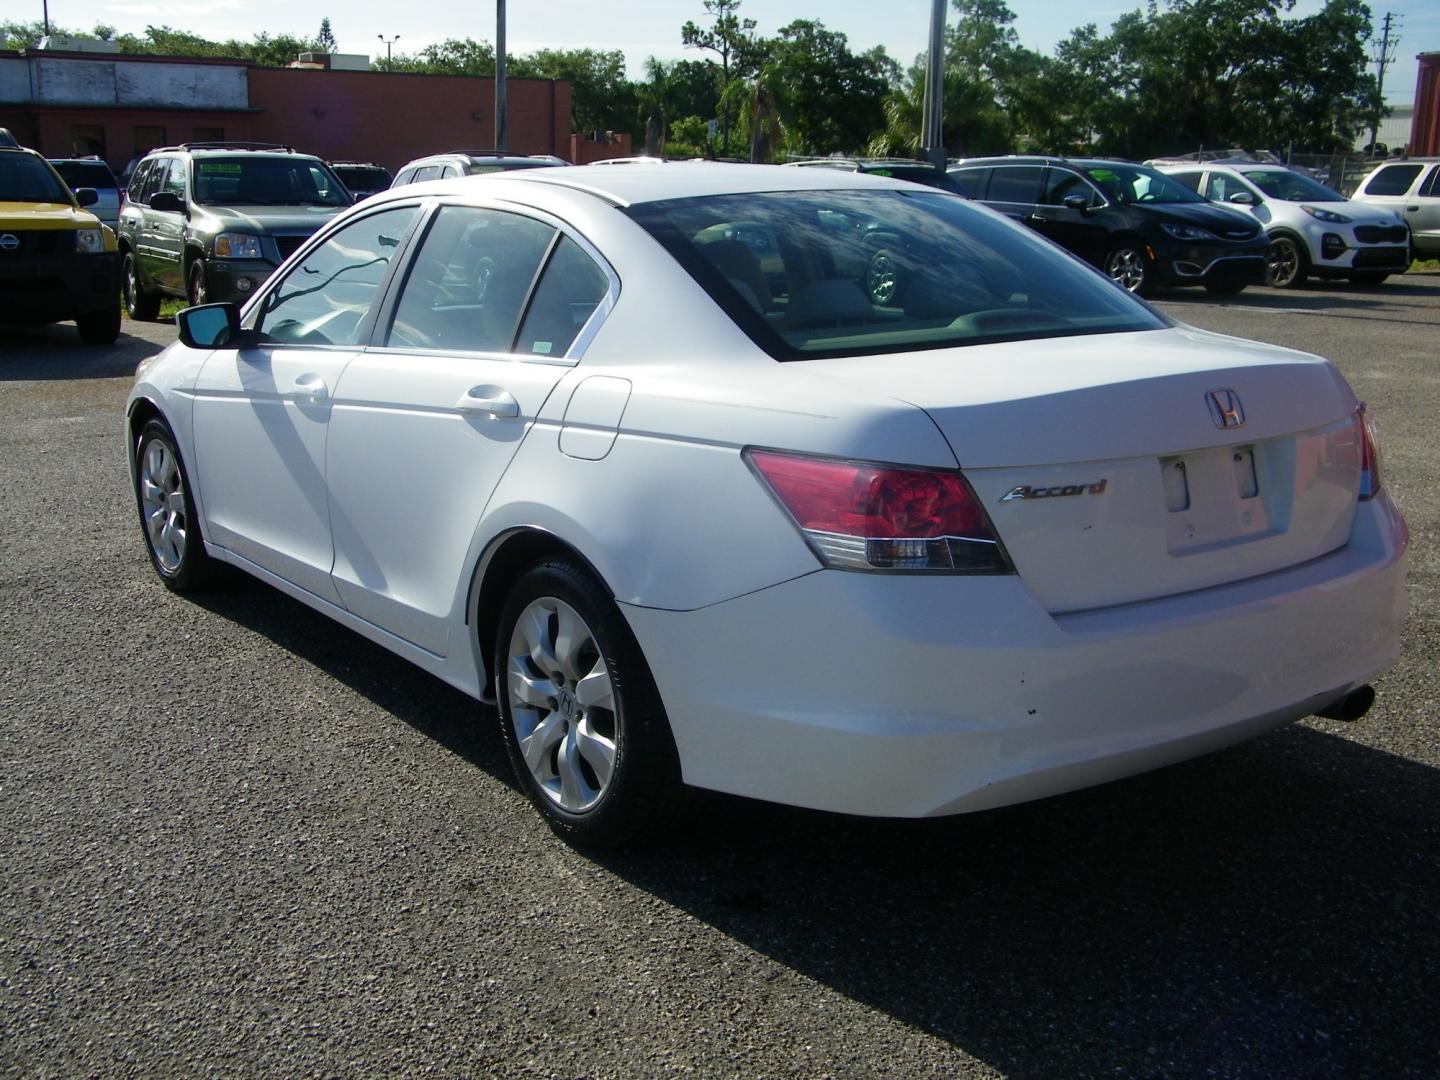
[[167, 512], [580, 716], [139, 304], [99, 327], [1287, 265]]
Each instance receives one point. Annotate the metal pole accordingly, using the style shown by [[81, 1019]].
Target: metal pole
[[45, 7], [388, 43], [1384, 59], [932, 120], [500, 75]]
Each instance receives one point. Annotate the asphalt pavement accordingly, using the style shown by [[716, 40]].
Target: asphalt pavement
[[238, 840]]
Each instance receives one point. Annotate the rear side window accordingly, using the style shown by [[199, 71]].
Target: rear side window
[[845, 273], [425, 172], [1015, 184], [324, 299], [971, 182], [1393, 180], [467, 285], [570, 290]]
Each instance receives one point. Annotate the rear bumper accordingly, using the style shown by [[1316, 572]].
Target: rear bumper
[[45, 290], [917, 696]]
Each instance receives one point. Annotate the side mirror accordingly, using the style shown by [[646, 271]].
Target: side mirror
[[167, 202], [1076, 202], [86, 196], [210, 326], [1242, 198]]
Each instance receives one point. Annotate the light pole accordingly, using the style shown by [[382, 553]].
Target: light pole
[[932, 121], [500, 110], [388, 42]]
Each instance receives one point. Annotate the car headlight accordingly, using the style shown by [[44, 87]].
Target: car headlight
[[1188, 232], [1321, 214], [89, 241], [234, 245]]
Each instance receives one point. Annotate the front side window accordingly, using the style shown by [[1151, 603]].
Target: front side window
[[848, 273], [175, 179], [467, 284], [1128, 184], [325, 299], [1190, 179], [28, 179], [1060, 184], [1433, 187], [1393, 180], [1290, 186], [1219, 187], [266, 181]]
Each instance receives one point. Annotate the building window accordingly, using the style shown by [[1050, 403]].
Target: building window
[[147, 138], [87, 139], [208, 134]]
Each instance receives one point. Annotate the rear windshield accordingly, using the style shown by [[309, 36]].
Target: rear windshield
[[843, 273], [80, 174], [1128, 184], [27, 179], [363, 177], [1290, 186], [258, 181]]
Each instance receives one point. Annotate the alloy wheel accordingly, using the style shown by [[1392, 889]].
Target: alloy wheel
[[162, 500], [562, 704], [1282, 265], [1126, 267]]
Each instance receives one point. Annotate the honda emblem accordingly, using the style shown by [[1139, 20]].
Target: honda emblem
[[1225, 408]]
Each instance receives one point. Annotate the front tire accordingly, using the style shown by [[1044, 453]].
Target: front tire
[[1287, 265], [99, 327], [139, 304], [195, 287], [167, 512], [580, 716], [1129, 267]]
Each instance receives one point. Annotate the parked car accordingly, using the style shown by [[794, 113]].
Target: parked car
[[91, 172], [1312, 229], [1411, 189], [57, 261], [1141, 229], [470, 163], [917, 172], [362, 179], [208, 221], [557, 439]]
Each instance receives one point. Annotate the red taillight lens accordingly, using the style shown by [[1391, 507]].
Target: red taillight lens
[[1369, 452], [860, 516]]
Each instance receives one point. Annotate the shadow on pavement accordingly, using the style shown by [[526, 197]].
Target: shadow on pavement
[[56, 352], [1267, 912]]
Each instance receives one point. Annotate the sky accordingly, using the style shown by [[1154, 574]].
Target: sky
[[640, 28]]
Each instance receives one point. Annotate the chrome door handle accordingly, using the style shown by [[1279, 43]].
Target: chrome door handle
[[310, 388], [493, 401]]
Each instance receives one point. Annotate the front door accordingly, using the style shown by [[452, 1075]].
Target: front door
[[262, 414], [427, 420]]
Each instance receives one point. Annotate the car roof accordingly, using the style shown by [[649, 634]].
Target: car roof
[[671, 180]]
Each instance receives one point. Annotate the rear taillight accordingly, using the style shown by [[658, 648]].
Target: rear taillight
[[1369, 452], [861, 516]]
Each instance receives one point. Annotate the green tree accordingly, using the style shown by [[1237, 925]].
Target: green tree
[[732, 39], [826, 97], [326, 37], [602, 98]]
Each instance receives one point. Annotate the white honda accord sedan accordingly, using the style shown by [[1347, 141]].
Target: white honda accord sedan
[[807, 486]]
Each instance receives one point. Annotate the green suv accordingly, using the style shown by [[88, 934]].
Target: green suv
[[57, 261], [212, 221]]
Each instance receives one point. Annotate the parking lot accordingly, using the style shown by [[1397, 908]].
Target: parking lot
[[240, 840]]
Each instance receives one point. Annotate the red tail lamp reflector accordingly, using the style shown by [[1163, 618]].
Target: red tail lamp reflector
[[1369, 433], [861, 516]]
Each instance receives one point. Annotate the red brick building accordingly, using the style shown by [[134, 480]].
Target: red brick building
[[65, 104], [1425, 128]]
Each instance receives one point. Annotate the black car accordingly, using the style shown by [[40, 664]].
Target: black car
[[363, 179], [211, 221], [916, 172], [1137, 225]]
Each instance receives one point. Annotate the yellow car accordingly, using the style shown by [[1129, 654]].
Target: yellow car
[[57, 261]]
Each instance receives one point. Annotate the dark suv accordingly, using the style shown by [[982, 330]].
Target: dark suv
[[1137, 225], [211, 221], [917, 172]]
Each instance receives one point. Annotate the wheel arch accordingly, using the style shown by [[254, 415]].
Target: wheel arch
[[497, 567]]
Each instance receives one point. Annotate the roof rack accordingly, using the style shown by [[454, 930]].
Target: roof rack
[[225, 144]]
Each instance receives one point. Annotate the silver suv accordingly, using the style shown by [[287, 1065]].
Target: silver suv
[[1412, 189], [470, 163]]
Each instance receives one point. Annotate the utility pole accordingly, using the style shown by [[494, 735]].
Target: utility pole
[[1388, 48], [500, 74], [932, 117]]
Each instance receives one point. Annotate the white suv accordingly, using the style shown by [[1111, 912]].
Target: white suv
[[1312, 229], [1412, 189]]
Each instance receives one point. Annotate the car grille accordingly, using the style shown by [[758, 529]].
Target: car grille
[[39, 242], [1240, 234], [1381, 234], [288, 245], [1382, 259]]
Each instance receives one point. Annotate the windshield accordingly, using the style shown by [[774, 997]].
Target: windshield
[[1290, 186], [80, 174], [843, 273], [363, 177], [1127, 184], [27, 179], [258, 181]]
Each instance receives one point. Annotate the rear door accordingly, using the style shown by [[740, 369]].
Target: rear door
[[492, 312], [262, 414], [1015, 190]]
